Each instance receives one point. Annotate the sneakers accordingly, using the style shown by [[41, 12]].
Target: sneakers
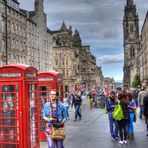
[[117, 138], [113, 139], [121, 142], [125, 141]]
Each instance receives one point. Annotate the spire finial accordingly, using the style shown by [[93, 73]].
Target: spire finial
[[63, 27], [130, 2]]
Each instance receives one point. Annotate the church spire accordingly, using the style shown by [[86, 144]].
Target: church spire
[[129, 2], [39, 6], [63, 27]]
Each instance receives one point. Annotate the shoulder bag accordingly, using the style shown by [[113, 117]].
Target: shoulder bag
[[57, 132]]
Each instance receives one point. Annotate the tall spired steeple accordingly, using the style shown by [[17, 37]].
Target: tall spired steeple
[[39, 6], [131, 42], [131, 20], [129, 2]]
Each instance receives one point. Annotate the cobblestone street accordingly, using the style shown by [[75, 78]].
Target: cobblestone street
[[93, 131]]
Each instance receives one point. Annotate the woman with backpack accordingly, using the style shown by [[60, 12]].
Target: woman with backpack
[[122, 124]]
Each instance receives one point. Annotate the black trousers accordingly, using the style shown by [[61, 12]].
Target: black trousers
[[122, 129]]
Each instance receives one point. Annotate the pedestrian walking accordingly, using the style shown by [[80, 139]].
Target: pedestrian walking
[[110, 105], [132, 116], [145, 105], [122, 124], [141, 96], [55, 114], [90, 100], [135, 93], [67, 104], [76, 102]]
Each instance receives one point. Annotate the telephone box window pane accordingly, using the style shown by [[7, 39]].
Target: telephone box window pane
[[9, 122], [33, 112], [42, 125], [32, 87], [10, 101], [8, 88], [44, 90], [8, 113], [44, 95]]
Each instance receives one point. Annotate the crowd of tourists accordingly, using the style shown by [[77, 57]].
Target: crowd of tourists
[[121, 108]]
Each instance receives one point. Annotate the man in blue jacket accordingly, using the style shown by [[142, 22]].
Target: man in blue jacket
[[110, 105]]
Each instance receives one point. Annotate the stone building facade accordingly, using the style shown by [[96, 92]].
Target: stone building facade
[[99, 77], [72, 59], [143, 53], [14, 37], [64, 55], [88, 68], [131, 42], [25, 36]]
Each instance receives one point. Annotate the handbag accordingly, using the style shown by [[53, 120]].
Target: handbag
[[57, 132], [118, 112]]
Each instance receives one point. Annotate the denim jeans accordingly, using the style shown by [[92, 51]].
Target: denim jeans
[[77, 111], [130, 124], [141, 111], [67, 109], [113, 126]]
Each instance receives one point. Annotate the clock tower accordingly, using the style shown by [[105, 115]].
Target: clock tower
[[131, 42]]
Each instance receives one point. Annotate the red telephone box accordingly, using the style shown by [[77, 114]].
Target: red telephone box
[[19, 114], [46, 82]]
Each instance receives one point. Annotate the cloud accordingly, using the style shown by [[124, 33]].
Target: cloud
[[108, 59]]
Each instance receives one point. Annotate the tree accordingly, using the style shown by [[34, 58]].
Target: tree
[[136, 82]]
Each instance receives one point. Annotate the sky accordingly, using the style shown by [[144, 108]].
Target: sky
[[99, 23]]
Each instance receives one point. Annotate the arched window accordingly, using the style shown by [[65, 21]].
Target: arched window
[[132, 52], [131, 28]]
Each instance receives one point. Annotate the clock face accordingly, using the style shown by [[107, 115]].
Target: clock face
[[132, 35]]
